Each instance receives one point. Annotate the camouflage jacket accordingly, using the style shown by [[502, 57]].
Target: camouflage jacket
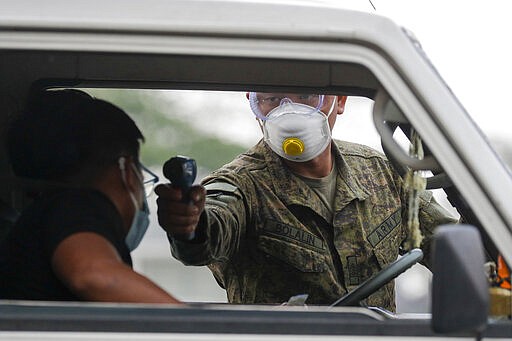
[[267, 238]]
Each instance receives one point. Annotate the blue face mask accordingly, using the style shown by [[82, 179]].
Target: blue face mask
[[140, 220], [139, 227]]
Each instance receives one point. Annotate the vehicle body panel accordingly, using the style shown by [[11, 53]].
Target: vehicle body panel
[[233, 45]]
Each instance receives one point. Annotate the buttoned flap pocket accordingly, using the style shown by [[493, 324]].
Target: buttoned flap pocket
[[301, 258]]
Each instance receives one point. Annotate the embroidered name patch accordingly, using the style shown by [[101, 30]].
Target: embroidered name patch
[[385, 228], [291, 232]]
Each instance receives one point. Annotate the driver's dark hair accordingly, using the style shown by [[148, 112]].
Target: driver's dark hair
[[66, 134]]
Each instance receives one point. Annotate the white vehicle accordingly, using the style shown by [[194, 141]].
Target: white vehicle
[[225, 45]]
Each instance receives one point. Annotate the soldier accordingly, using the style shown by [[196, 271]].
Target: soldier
[[299, 213]]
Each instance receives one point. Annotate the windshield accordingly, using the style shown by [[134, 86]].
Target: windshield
[[184, 122]]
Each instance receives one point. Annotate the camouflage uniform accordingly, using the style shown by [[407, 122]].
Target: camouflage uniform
[[267, 237]]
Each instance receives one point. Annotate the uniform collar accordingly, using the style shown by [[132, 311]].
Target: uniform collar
[[293, 191]]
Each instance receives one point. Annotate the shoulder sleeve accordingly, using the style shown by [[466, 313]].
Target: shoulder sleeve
[[431, 215], [74, 213]]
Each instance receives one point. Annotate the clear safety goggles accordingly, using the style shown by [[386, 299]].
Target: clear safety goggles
[[262, 103]]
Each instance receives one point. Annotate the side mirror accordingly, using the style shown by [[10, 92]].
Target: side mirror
[[460, 292]]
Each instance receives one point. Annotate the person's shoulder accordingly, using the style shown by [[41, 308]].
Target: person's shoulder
[[359, 151], [82, 210], [251, 160], [364, 161], [242, 171]]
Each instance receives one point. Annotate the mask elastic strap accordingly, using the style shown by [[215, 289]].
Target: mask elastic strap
[[260, 122], [137, 173], [332, 106], [122, 167]]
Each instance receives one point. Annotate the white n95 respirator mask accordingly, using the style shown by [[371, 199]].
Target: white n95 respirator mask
[[296, 131]]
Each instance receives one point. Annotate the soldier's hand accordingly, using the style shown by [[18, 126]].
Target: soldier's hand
[[175, 216]]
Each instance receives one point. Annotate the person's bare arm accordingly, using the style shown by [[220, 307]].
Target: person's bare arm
[[90, 267]]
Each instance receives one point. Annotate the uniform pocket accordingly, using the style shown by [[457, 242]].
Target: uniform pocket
[[386, 251], [298, 257]]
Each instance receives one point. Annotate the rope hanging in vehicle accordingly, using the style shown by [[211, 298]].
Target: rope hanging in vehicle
[[414, 184]]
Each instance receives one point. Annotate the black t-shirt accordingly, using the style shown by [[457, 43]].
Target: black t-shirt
[[26, 253]]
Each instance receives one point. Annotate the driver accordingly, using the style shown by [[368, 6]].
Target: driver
[[299, 213]]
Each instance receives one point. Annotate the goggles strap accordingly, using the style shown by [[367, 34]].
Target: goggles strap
[[332, 106]]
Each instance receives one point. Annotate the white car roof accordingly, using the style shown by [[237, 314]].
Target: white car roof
[[303, 19], [292, 18]]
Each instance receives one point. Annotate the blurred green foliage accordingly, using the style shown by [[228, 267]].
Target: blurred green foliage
[[165, 134]]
